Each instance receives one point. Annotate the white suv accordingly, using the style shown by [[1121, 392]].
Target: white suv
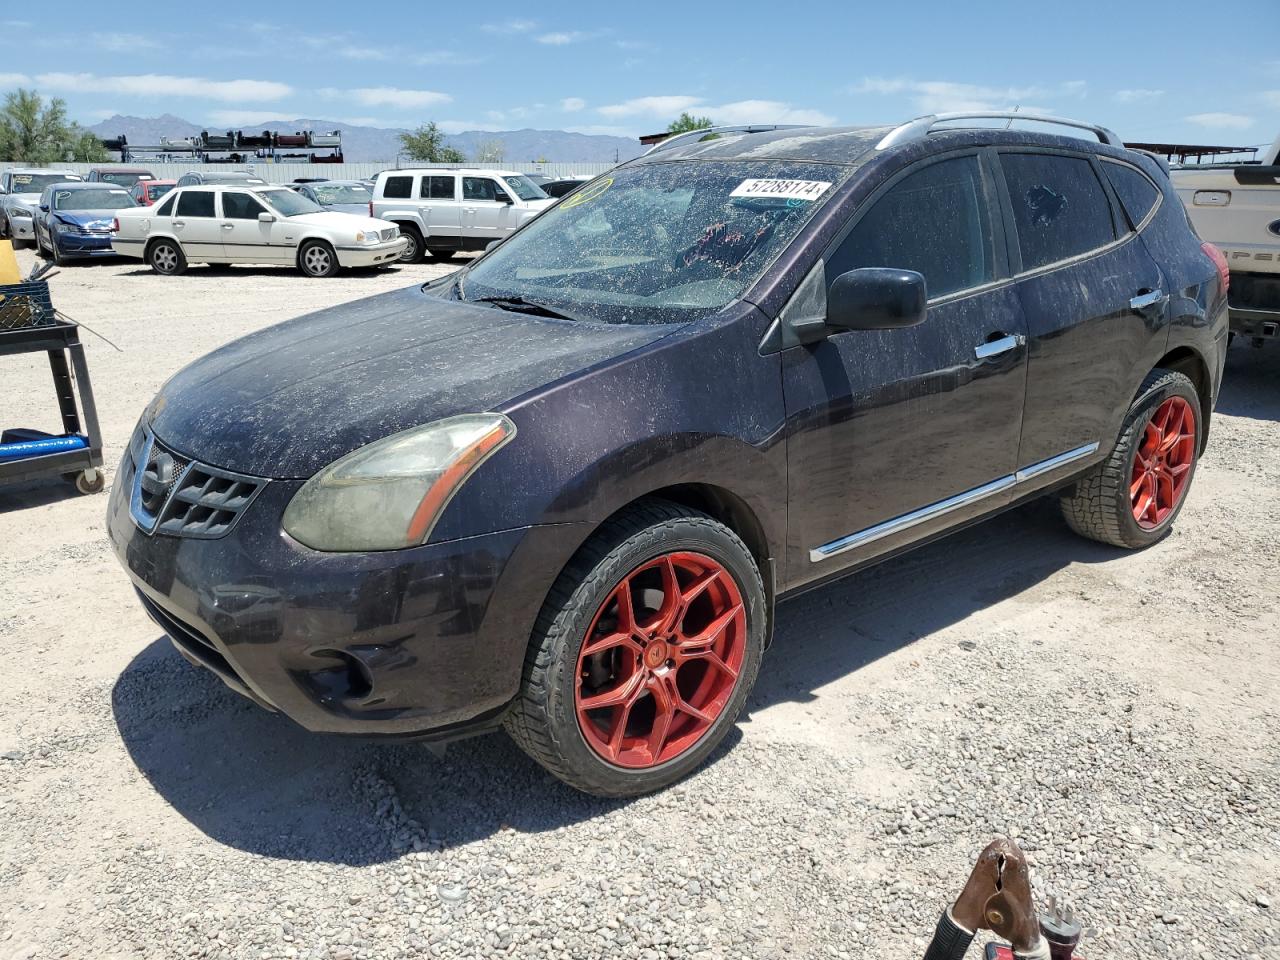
[[224, 224], [442, 212]]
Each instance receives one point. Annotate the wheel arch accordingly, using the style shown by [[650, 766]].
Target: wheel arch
[[1188, 361], [154, 238]]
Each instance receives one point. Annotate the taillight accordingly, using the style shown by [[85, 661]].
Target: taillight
[[1220, 261], [371, 208], [115, 224]]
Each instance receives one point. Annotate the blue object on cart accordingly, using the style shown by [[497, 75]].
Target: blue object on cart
[[21, 444]]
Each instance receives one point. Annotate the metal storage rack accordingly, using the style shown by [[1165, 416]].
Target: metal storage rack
[[28, 324]]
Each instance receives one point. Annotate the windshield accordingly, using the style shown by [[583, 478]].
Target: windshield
[[524, 188], [331, 193], [657, 243], [289, 204], [157, 190], [108, 198], [123, 179], [36, 182]]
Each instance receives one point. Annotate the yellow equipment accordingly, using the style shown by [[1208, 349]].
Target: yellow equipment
[[8, 264]]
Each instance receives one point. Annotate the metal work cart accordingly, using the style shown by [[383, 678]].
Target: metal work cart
[[28, 324]]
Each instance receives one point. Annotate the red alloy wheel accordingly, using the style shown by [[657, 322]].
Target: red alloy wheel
[[660, 660], [1162, 463]]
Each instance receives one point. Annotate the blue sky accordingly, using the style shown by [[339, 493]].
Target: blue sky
[[1151, 71]]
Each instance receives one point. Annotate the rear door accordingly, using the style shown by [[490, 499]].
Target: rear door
[[486, 209], [195, 224], [1093, 299], [897, 434], [441, 211]]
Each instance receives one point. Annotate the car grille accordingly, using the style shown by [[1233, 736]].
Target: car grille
[[390, 233], [176, 496]]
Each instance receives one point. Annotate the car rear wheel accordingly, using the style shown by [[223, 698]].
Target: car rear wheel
[[644, 653], [1132, 498], [41, 250], [166, 257], [317, 259], [414, 246]]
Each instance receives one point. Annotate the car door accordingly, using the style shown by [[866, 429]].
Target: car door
[[196, 225], [245, 238], [486, 209], [897, 434], [441, 211], [1093, 299]]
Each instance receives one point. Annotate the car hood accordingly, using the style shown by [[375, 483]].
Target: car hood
[[359, 209], [26, 199], [342, 221], [290, 399], [100, 219]]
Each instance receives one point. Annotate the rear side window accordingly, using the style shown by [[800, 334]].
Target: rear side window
[[166, 206], [438, 188], [195, 203], [241, 206], [935, 221], [398, 188], [1059, 207], [1137, 194]]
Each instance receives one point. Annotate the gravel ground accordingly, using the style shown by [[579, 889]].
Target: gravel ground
[[1116, 713]]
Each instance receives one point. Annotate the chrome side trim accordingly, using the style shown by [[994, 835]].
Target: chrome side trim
[[943, 507], [909, 520], [1061, 460]]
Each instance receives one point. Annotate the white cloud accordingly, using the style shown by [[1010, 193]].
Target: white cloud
[[509, 26], [13, 79], [1137, 95], [159, 85], [662, 106], [1221, 121], [449, 57], [572, 104], [396, 97], [362, 53], [124, 42], [945, 96], [559, 39], [766, 111]]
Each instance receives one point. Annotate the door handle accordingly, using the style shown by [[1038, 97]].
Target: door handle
[[228, 226], [993, 348], [178, 223], [1144, 300]]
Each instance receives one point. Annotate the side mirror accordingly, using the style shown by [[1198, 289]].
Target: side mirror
[[491, 245], [876, 298], [504, 198], [44, 207], [265, 217]]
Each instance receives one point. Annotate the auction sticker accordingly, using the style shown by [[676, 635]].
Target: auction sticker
[[783, 189], [586, 195]]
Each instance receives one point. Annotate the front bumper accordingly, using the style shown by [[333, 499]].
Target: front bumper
[[21, 228], [84, 244], [370, 255], [424, 642]]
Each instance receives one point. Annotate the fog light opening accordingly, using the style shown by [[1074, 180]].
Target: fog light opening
[[349, 680]]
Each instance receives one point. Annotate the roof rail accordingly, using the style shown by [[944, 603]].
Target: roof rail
[[729, 128], [922, 126]]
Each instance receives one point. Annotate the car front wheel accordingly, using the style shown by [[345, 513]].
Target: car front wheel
[[1132, 497], [166, 257], [317, 259], [644, 653], [413, 250]]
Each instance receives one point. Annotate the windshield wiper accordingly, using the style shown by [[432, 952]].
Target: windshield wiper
[[523, 305]]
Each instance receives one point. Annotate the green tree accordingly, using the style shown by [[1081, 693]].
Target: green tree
[[686, 122], [86, 147], [491, 151], [32, 131], [426, 145]]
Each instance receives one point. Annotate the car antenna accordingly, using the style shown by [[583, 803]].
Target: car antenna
[[1016, 107]]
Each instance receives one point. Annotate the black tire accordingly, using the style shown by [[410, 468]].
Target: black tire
[[441, 256], [317, 259], [166, 258], [414, 251], [20, 244], [1099, 505], [4, 228], [543, 720]]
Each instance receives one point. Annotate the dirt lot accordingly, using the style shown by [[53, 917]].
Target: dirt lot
[[1117, 713]]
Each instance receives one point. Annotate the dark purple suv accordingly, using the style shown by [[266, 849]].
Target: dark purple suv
[[562, 489]]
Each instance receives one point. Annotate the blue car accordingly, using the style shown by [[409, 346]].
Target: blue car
[[74, 220]]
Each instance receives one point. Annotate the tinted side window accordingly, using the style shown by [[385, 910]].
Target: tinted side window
[[196, 203], [166, 206], [398, 188], [1059, 207], [479, 188], [935, 221], [438, 188], [241, 206], [1137, 194]]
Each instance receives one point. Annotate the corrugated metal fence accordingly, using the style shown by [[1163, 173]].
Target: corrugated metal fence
[[287, 172]]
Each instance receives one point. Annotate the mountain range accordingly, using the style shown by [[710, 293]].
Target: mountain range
[[382, 144]]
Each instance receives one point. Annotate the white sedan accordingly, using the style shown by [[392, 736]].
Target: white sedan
[[231, 224]]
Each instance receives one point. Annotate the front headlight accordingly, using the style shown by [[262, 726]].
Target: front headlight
[[389, 494], [370, 237]]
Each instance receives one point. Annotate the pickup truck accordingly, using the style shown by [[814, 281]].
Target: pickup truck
[[1236, 207], [442, 212]]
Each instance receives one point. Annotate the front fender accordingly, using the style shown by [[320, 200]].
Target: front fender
[[404, 216]]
